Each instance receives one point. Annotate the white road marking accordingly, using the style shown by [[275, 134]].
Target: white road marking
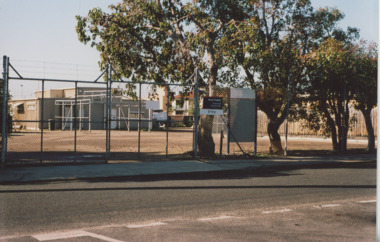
[[102, 237], [368, 201], [328, 206], [278, 211], [60, 235], [215, 218], [72, 234], [5, 238], [136, 226]]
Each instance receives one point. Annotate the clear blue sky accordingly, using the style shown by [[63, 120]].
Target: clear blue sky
[[44, 31]]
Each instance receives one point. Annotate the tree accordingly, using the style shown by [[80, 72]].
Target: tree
[[365, 85], [331, 70], [162, 40], [270, 48]]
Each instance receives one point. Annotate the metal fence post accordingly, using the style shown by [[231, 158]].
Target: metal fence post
[[255, 136], [139, 121], [287, 119], [343, 139], [167, 119], [228, 120], [196, 94], [4, 131], [107, 110], [42, 119], [7, 99], [75, 121]]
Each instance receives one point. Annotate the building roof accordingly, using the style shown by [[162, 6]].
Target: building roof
[[185, 96]]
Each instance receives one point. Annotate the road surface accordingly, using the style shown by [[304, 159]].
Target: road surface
[[328, 204]]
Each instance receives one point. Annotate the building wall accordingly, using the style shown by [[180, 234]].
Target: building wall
[[119, 115], [67, 92], [30, 113], [97, 116], [61, 117], [51, 93], [162, 97]]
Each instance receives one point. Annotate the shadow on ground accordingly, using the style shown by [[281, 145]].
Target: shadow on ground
[[279, 170], [269, 171]]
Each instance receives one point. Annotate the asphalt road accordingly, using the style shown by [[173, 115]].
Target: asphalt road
[[233, 206]]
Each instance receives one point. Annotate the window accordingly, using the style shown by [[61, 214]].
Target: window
[[20, 108], [30, 106], [180, 103]]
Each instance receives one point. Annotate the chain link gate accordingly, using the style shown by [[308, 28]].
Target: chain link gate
[[93, 121], [234, 132]]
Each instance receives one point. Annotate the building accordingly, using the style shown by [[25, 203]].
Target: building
[[59, 107], [183, 105]]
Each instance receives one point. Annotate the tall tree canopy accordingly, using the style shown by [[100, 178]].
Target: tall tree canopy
[[270, 48], [268, 45], [330, 90], [342, 73], [365, 84], [164, 41]]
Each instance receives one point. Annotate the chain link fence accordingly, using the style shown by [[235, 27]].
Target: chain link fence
[[234, 132], [102, 118], [56, 120]]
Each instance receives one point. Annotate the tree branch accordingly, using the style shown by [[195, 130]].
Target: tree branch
[[265, 21], [153, 27], [250, 76], [197, 23], [146, 46], [177, 35]]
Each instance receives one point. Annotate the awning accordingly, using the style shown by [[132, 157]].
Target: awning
[[15, 105]]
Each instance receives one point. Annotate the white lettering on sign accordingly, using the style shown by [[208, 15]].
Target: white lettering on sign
[[212, 103], [211, 111]]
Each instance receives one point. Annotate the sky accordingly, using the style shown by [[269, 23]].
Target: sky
[[40, 39]]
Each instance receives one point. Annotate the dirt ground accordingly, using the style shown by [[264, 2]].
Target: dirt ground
[[124, 144]]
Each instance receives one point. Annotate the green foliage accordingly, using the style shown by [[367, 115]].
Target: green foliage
[[135, 38], [270, 47], [159, 40], [273, 46], [339, 73], [162, 40], [365, 70]]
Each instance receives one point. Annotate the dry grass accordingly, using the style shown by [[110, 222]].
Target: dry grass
[[179, 141]]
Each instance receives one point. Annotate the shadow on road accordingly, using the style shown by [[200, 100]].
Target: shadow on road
[[192, 188], [270, 170]]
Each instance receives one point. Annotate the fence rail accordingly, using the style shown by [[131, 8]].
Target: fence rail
[[57, 120]]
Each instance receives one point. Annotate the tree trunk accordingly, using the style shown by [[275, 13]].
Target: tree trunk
[[206, 143], [342, 120], [342, 140], [331, 124], [334, 139], [370, 130], [274, 138]]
